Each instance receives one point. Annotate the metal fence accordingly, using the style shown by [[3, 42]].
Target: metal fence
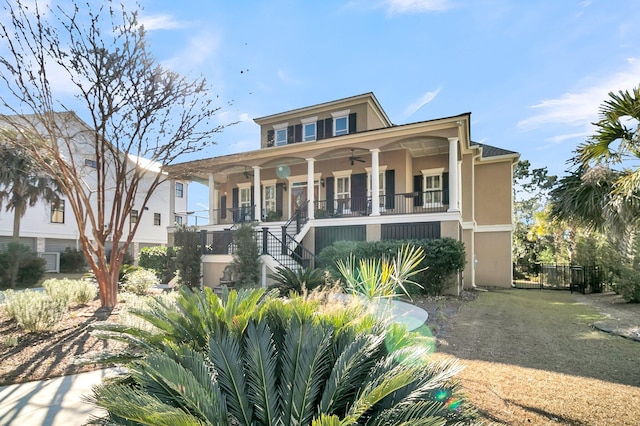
[[585, 279]]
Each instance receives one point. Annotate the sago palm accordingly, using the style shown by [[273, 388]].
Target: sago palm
[[290, 364]]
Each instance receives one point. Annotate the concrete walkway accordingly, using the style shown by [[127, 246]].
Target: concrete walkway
[[59, 401]]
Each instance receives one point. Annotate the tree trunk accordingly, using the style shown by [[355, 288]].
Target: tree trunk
[[17, 217], [108, 285]]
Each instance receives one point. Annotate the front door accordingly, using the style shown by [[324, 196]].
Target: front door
[[299, 195]]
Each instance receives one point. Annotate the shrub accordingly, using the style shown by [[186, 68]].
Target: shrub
[[20, 267], [139, 281], [75, 292], [246, 265], [628, 284], [188, 256], [443, 258], [288, 280], [250, 359], [34, 311], [158, 259], [72, 260]]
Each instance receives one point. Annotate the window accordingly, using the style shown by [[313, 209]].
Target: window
[[432, 187], [309, 132], [90, 163], [179, 190], [178, 220], [381, 182], [343, 194], [57, 212], [269, 198], [157, 219], [133, 216], [341, 126], [245, 202], [340, 122], [281, 133]]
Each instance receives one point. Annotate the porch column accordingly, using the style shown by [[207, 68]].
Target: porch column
[[257, 196], [212, 200], [311, 187], [453, 175], [375, 182]]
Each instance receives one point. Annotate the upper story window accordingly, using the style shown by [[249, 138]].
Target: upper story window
[[340, 122], [91, 163], [432, 186], [57, 212], [157, 219], [179, 190], [281, 133], [133, 216], [309, 129], [178, 220]]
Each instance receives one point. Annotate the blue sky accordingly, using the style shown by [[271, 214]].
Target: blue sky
[[532, 73]]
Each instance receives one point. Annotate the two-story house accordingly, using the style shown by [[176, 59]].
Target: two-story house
[[49, 229], [351, 174]]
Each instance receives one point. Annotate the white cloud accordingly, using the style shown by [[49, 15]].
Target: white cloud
[[580, 108], [419, 103], [160, 22], [415, 6], [568, 136], [196, 51], [285, 78]]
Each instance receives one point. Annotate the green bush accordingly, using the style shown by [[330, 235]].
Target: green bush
[[246, 265], [443, 258], [75, 292], [72, 260], [253, 359], [160, 260], [34, 311], [188, 256], [20, 267], [628, 284], [288, 280], [138, 281]]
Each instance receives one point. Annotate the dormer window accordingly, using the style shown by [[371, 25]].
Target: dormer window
[[281, 133], [340, 123]]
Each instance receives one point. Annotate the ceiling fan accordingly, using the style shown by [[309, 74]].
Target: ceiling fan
[[353, 158]]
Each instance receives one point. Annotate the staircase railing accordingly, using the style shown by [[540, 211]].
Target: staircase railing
[[277, 248]]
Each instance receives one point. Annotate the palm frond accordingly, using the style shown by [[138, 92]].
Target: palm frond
[[261, 366], [225, 354], [305, 365]]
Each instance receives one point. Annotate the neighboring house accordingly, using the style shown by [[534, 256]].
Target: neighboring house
[[49, 229], [354, 175]]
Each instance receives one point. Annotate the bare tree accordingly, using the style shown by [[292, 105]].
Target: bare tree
[[140, 116]]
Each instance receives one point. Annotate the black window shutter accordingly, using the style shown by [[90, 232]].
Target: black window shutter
[[390, 189], [290, 135], [445, 188], [235, 196], [328, 128], [298, 133], [352, 123], [223, 207], [417, 188], [279, 198], [270, 137], [359, 192], [330, 194], [320, 129]]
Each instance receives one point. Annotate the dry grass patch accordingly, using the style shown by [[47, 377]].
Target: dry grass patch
[[532, 358]]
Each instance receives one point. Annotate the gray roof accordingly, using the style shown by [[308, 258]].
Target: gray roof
[[492, 151]]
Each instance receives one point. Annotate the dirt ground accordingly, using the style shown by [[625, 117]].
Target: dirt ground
[[536, 357]]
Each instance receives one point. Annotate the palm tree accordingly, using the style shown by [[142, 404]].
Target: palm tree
[[22, 184], [267, 361]]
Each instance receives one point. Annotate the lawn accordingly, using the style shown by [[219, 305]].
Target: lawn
[[533, 358]]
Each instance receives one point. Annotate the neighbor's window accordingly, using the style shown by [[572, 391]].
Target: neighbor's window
[[57, 212], [91, 163], [179, 190], [178, 220], [133, 216], [157, 219]]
